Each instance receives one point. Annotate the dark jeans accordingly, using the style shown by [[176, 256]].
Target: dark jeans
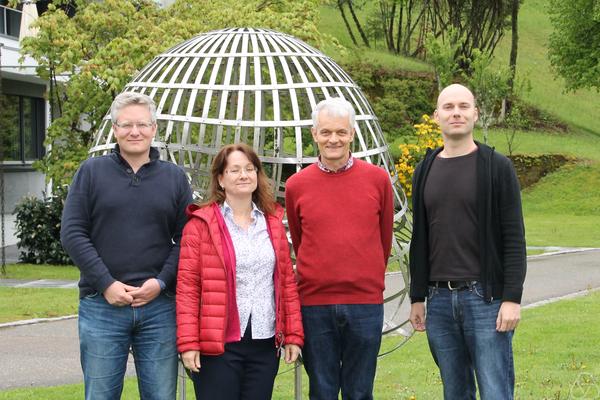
[[340, 349], [107, 332], [246, 371], [461, 329]]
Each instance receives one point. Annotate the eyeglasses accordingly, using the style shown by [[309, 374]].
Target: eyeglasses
[[236, 171], [128, 126]]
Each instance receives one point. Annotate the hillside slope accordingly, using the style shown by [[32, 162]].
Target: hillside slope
[[563, 209]]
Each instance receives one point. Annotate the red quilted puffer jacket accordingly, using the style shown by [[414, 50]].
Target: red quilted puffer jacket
[[202, 298]]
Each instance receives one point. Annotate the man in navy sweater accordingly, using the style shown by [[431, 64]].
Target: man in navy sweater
[[121, 225]]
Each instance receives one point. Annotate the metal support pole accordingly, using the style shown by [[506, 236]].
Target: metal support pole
[[297, 381], [2, 200], [182, 381]]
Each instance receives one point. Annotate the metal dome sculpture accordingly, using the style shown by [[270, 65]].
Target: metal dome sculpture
[[259, 86]]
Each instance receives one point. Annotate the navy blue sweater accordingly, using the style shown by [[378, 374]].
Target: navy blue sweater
[[125, 226]]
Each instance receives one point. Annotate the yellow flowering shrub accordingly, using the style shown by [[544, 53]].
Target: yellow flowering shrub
[[428, 136]]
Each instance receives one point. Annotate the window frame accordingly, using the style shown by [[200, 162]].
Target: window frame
[[37, 131]]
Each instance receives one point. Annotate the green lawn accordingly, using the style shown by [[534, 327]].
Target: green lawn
[[555, 352], [574, 144], [563, 209], [27, 303], [332, 23], [31, 271], [579, 109], [557, 210]]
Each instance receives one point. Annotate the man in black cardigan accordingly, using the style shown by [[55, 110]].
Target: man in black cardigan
[[467, 255]]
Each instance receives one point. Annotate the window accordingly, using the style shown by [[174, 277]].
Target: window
[[21, 128], [10, 21]]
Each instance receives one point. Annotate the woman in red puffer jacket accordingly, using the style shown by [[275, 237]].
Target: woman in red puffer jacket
[[237, 300]]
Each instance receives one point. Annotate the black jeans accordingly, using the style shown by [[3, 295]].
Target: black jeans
[[246, 371]]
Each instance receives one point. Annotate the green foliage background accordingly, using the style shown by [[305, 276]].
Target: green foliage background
[[90, 57]]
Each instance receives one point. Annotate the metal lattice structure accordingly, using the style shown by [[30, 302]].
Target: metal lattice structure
[[259, 86]]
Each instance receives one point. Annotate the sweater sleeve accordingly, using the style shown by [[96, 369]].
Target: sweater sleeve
[[189, 288], [293, 218], [75, 231], [169, 270], [513, 234], [386, 218]]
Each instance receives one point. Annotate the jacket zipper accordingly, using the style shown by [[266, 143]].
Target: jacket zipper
[[279, 336]]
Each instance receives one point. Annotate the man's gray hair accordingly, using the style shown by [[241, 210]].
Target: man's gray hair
[[131, 98], [335, 107]]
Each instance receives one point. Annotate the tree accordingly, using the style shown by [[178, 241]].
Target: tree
[[574, 46], [351, 4], [512, 61], [479, 23], [340, 5], [441, 54], [88, 58], [490, 86], [514, 42], [357, 23], [406, 25]]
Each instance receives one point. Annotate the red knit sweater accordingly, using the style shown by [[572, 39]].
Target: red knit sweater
[[341, 226]]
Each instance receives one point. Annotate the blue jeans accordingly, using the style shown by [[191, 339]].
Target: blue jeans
[[107, 332], [341, 343], [461, 330]]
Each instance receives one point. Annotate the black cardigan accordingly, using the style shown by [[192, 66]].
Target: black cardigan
[[500, 225]]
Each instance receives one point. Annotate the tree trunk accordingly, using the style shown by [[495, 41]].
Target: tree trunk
[[391, 28], [514, 47], [399, 36], [340, 5], [357, 23]]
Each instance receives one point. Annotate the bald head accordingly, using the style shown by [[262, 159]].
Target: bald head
[[455, 90], [456, 113]]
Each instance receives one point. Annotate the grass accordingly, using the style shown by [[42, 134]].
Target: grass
[[27, 303], [331, 23], [563, 209], [555, 351], [574, 144], [557, 210], [580, 108], [34, 272]]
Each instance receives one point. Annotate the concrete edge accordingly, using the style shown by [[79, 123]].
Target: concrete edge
[[563, 251], [532, 305], [551, 300], [35, 321]]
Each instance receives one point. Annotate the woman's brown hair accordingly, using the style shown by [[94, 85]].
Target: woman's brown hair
[[262, 196]]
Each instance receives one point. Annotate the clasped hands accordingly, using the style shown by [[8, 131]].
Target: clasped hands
[[119, 294]]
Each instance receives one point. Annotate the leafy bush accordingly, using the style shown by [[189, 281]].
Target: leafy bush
[[531, 168], [38, 229], [428, 136], [398, 98], [531, 118]]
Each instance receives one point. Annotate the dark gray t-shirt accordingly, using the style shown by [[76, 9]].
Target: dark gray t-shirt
[[451, 207]]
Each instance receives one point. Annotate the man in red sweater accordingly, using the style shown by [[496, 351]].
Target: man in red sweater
[[340, 213]]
